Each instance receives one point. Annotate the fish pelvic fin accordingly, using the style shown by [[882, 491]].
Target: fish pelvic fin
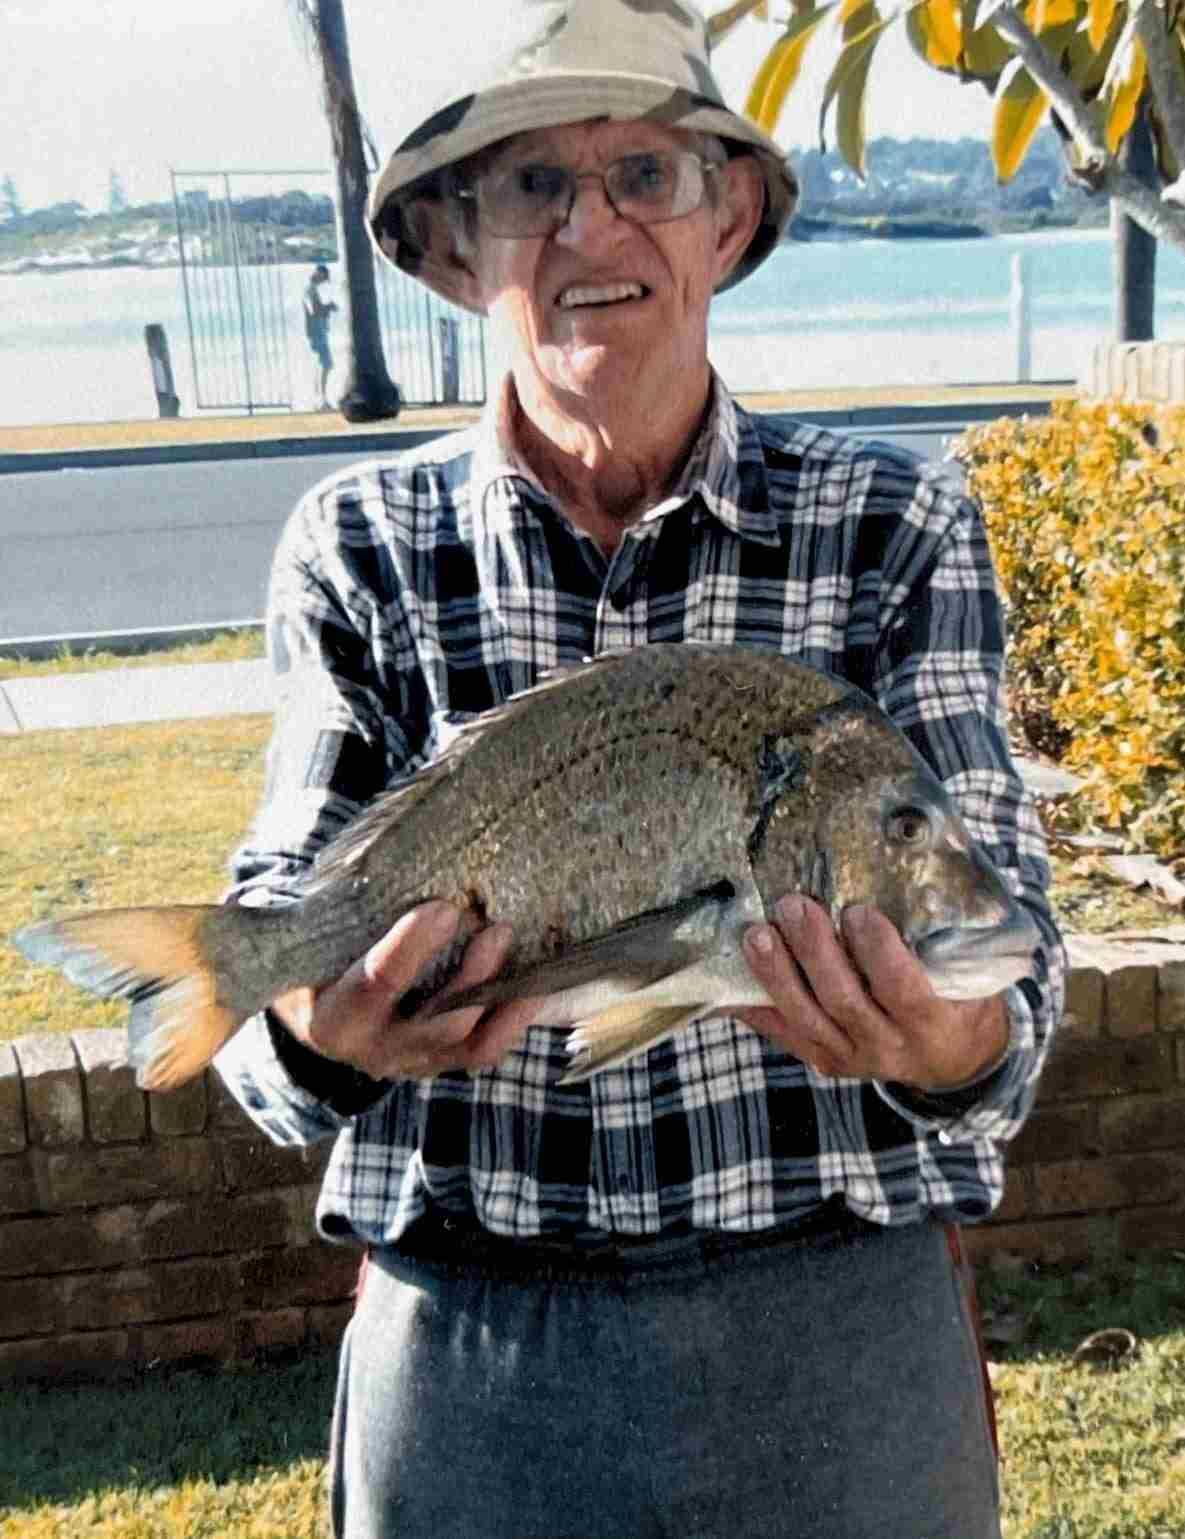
[[623, 1030], [160, 959]]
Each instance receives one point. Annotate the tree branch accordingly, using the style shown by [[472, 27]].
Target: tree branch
[[1061, 90], [1165, 76], [1164, 221]]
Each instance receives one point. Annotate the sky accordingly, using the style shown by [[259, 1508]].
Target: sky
[[142, 86]]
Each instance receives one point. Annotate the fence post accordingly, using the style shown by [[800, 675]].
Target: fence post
[[167, 400], [1022, 320], [450, 359]]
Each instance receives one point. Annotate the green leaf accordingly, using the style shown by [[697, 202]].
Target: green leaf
[[1021, 105], [779, 70], [722, 23], [1126, 88]]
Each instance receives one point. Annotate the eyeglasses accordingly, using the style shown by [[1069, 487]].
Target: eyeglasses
[[535, 198]]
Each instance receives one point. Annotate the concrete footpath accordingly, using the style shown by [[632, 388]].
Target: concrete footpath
[[189, 691]]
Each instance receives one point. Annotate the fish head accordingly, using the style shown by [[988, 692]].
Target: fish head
[[858, 816]]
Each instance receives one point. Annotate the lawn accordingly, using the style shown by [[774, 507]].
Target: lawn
[[1089, 1453]]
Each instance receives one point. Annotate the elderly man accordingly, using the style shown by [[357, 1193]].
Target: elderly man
[[716, 1290]]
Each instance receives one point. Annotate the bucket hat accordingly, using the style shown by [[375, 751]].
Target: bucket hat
[[565, 61]]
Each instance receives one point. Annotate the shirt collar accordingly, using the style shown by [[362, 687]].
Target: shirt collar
[[725, 470]]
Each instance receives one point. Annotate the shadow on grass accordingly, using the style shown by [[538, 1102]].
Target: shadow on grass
[[1056, 1308], [60, 1444]]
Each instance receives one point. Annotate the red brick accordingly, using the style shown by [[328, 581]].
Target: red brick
[[1051, 1240], [131, 1174], [208, 1225], [1131, 1000], [175, 1113], [95, 1300], [1152, 1229], [26, 1308], [270, 1331], [41, 1247], [314, 1274], [301, 1203], [250, 1164], [1062, 1131], [1143, 1122], [18, 1185], [93, 1354], [1170, 1001], [1119, 1181], [1077, 1071], [13, 1136], [327, 1323], [1085, 1002], [53, 1090], [114, 1102], [224, 1111], [187, 1340]]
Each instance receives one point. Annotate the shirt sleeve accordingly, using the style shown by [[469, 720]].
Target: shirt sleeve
[[939, 673], [343, 732]]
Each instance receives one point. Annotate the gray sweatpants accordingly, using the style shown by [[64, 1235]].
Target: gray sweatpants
[[825, 1384]]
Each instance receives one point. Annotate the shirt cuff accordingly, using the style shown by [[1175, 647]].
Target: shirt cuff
[[338, 1086]]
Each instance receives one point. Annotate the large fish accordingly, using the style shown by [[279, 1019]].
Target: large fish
[[629, 818]]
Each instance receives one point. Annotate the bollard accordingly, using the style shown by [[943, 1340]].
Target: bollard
[[1022, 320], [450, 359], [167, 400]]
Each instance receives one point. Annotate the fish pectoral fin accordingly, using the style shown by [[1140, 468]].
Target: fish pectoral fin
[[158, 958], [631, 955], [620, 1032]]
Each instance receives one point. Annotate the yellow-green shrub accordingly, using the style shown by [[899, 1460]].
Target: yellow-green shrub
[[1086, 515]]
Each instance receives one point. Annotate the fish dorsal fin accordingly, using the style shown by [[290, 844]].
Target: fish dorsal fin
[[344, 854]]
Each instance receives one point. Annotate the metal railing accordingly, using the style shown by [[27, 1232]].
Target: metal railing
[[243, 280]]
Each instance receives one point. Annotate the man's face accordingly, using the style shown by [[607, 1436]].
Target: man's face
[[606, 308]]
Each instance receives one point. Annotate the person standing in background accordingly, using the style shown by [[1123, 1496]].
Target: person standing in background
[[317, 310]]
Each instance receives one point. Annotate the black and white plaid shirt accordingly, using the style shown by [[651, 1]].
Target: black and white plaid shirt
[[409, 594]]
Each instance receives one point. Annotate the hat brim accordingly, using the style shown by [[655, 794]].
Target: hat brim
[[419, 245]]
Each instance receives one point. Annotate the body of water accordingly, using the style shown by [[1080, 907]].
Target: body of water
[[816, 315]]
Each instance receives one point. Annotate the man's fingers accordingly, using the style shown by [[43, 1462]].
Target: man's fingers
[[392, 964], [796, 1022]]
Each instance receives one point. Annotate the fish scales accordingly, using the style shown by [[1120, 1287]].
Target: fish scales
[[621, 789]]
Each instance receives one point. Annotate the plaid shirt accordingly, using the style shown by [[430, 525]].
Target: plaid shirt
[[410, 594]]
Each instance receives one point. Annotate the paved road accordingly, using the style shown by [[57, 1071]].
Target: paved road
[[149, 547]]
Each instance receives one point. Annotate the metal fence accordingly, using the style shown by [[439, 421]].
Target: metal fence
[[243, 274]]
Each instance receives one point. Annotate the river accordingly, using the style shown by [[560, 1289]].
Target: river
[[818, 314]]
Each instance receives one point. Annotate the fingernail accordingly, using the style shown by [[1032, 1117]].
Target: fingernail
[[760, 940], [791, 911], [855, 918]]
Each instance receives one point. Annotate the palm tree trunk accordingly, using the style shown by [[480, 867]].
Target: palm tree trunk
[[1135, 247], [369, 394]]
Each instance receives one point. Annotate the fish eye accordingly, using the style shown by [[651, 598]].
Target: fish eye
[[908, 826]]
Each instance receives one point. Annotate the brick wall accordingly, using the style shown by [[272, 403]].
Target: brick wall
[[135, 1228]]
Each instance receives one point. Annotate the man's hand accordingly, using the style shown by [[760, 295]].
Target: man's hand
[[862, 1006], [354, 1021]]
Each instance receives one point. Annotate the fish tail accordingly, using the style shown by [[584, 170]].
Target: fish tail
[[165, 961]]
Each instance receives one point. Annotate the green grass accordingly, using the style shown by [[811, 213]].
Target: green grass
[[229, 1454], [108, 818], [226, 647], [1091, 1452], [239, 1454]]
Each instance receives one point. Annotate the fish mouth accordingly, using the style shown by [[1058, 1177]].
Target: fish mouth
[[973, 962]]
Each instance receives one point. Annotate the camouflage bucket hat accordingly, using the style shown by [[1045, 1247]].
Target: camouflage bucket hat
[[566, 61]]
